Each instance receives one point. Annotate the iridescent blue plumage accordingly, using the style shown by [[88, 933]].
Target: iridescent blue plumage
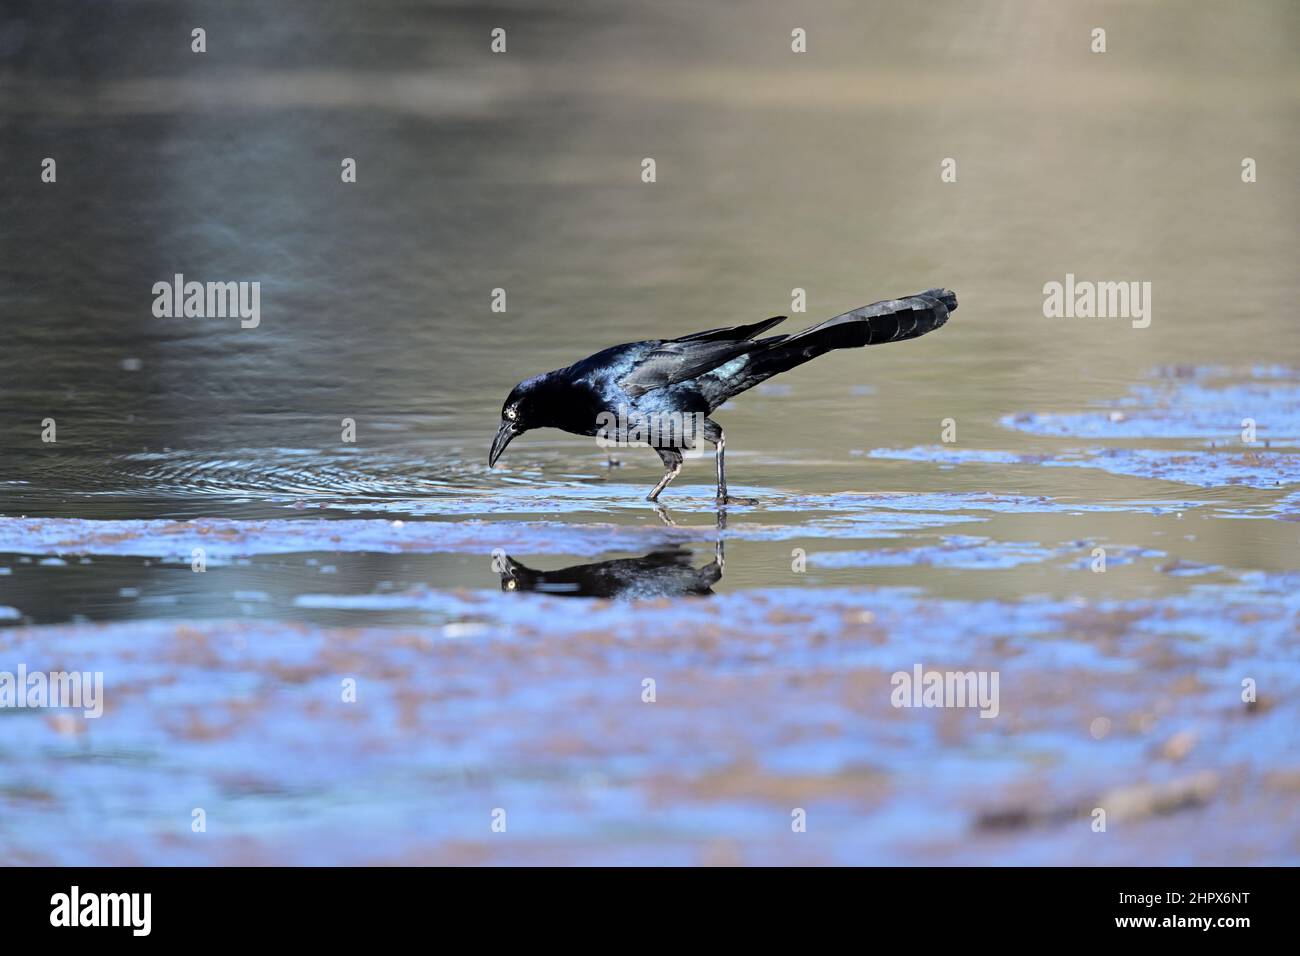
[[658, 380]]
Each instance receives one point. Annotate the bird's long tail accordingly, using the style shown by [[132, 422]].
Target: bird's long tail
[[893, 320], [890, 321]]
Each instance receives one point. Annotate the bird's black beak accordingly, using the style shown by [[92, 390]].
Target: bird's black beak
[[505, 433]]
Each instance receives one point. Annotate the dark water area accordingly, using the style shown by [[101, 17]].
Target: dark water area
[[202, 532]]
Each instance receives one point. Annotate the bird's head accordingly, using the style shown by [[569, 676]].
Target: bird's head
[[514, 576], [519, 413]]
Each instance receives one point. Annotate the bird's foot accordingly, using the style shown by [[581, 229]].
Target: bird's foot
[[735, 500]]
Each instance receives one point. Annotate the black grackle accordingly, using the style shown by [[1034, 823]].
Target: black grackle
[[655, 391], [664, 573]]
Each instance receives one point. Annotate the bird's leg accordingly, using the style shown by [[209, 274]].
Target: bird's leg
[[672, 459], [722, 466], [669, 475], [713, 432], [664, 516]]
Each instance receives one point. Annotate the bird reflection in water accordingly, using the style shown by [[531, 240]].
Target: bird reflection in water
[[663, 573]]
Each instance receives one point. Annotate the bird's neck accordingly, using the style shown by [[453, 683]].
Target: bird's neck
[[569, 405]]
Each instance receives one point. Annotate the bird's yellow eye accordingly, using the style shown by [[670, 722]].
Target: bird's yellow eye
[[511, 414]]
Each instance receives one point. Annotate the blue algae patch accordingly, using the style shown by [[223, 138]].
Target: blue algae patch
[[976, 503], [224, 539], [1208, 469], [1252, 466], [947, 455], [761, 695], [1117, 557], [1196, 405], [844, 515], [1274, 584], [552, 498], [1288, 509], [1189, 569]]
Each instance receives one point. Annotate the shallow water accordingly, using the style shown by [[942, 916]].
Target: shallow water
[[500, 623]]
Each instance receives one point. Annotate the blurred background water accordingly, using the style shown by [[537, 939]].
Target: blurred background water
[[521, 171]]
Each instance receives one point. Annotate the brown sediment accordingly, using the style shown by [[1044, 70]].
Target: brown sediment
[[1125, 803]]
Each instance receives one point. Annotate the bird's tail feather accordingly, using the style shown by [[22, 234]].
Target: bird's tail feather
[[893, 320]]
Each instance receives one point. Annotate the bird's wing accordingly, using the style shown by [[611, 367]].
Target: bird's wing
[[681, 360], [678, 360], [734, 333]]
